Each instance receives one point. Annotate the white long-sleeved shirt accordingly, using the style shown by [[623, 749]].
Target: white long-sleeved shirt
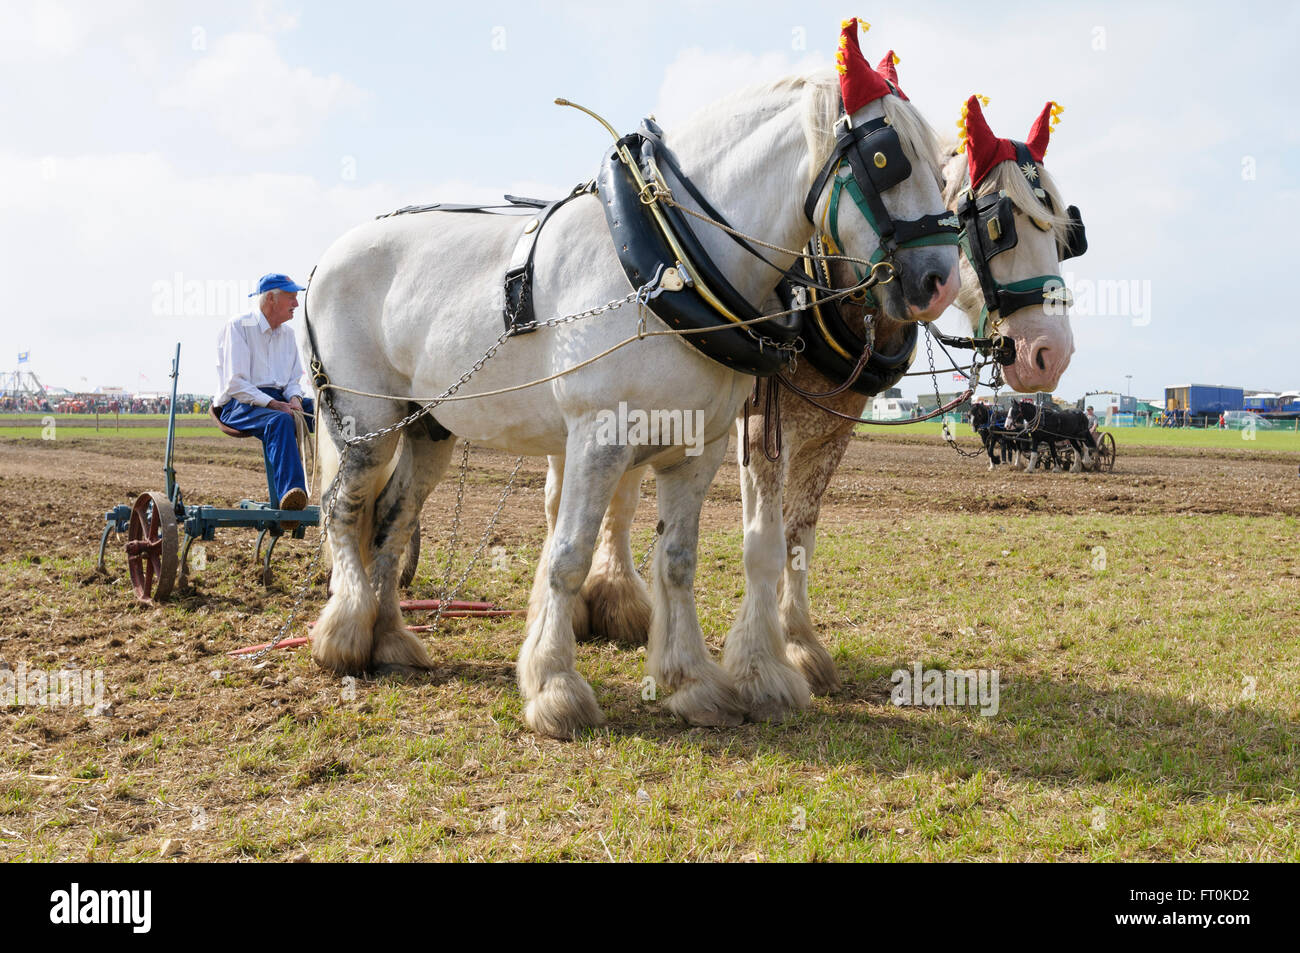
[[251, 356]]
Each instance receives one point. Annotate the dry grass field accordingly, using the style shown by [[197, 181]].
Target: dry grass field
[[1144, 625]]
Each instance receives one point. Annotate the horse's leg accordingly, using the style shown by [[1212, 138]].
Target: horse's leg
[[809, 477], [420, 464], [617, 599], [560, 702], [676, 656], [541, 579], [755, 656], [1086, 448], [343, 638]]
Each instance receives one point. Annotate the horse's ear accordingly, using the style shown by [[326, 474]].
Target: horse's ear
[[1042, 128], [859, 83], [983, 149], [886, 69]]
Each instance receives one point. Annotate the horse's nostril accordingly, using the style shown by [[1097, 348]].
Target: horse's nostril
[[1038, 358], [933, 282]]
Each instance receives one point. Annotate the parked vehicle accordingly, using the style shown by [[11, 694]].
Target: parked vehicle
[[1245, 419]]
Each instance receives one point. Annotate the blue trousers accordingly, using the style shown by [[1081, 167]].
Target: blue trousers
[[275, 429]]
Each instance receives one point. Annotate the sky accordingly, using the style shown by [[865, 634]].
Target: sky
[[156, 158]]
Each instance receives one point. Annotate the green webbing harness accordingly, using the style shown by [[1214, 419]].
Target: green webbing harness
[[844, 181]]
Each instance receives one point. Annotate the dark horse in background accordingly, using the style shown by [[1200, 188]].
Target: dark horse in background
[[1049, 425], [989, 425]]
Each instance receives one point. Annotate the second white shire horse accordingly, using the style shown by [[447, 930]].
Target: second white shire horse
[[1011, 270], [404, 306]]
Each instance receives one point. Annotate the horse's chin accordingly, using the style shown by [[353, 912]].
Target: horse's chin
[[1029, 382]]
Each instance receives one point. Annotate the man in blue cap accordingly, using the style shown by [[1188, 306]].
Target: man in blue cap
[[259, 389]]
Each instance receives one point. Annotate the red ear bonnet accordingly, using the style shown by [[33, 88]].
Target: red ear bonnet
[[886, 69], [1042, 129], [859, 83], [984, 150]]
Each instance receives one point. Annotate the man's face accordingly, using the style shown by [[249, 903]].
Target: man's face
[[281, 307]]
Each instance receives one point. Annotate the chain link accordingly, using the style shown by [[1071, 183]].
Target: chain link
[[649, 550], [455, 524]]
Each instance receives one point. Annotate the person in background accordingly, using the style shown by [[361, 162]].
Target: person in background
[[259, 389]]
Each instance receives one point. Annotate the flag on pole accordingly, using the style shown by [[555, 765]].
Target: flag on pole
[[958, 376], [23, 356]]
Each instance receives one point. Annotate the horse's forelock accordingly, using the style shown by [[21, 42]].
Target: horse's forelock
[[1007, 177]]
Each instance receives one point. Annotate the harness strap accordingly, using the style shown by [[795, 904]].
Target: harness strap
[[518, 310]]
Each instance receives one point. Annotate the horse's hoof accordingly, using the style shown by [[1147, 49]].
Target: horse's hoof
[[618, 607], [771, 690], [815, 663], [564, 706], [340, 643], [708, 701], [399, 647]]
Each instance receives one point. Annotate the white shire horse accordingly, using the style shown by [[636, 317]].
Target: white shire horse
[[405, 305], [782, 499]]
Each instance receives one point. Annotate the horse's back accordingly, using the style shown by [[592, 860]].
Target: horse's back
[[378, 284]]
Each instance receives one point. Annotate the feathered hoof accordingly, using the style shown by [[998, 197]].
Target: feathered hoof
[[812, 659], [619, 608], [709, 700], [771, 691], [564, 706], [342, 643], [397, 646]]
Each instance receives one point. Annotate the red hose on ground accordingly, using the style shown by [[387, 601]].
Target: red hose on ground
[[459, 610]]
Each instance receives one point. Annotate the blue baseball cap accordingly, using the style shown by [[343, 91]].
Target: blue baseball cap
[[276, 283]]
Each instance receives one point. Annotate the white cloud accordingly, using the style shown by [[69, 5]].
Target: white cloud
[[94, 237], [52, 29], [256, 99]]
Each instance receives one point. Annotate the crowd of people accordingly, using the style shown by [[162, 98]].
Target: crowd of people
[[102, 404]]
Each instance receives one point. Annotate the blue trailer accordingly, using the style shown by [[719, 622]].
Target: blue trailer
[[1204, 400]]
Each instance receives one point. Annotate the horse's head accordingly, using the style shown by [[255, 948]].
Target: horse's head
[[1015, 232], [980, 416], [1021, 414], [878, 195]]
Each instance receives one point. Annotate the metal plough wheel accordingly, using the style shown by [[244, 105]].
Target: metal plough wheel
[[1106, 452], [151, 547]]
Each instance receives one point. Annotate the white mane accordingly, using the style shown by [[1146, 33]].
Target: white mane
[[820, 92], [1007, 177]]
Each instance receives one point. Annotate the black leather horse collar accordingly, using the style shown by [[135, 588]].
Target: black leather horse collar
[[644, 251], [833, 346]]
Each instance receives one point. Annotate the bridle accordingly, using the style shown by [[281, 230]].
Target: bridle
[[988, 228], [876, 163]]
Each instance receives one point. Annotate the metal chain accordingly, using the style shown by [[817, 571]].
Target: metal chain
[[934, 379], [483, 540], [455, 523], [645, 559]]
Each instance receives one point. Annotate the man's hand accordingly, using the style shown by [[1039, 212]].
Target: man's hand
[[296, 403], [282, 406]]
